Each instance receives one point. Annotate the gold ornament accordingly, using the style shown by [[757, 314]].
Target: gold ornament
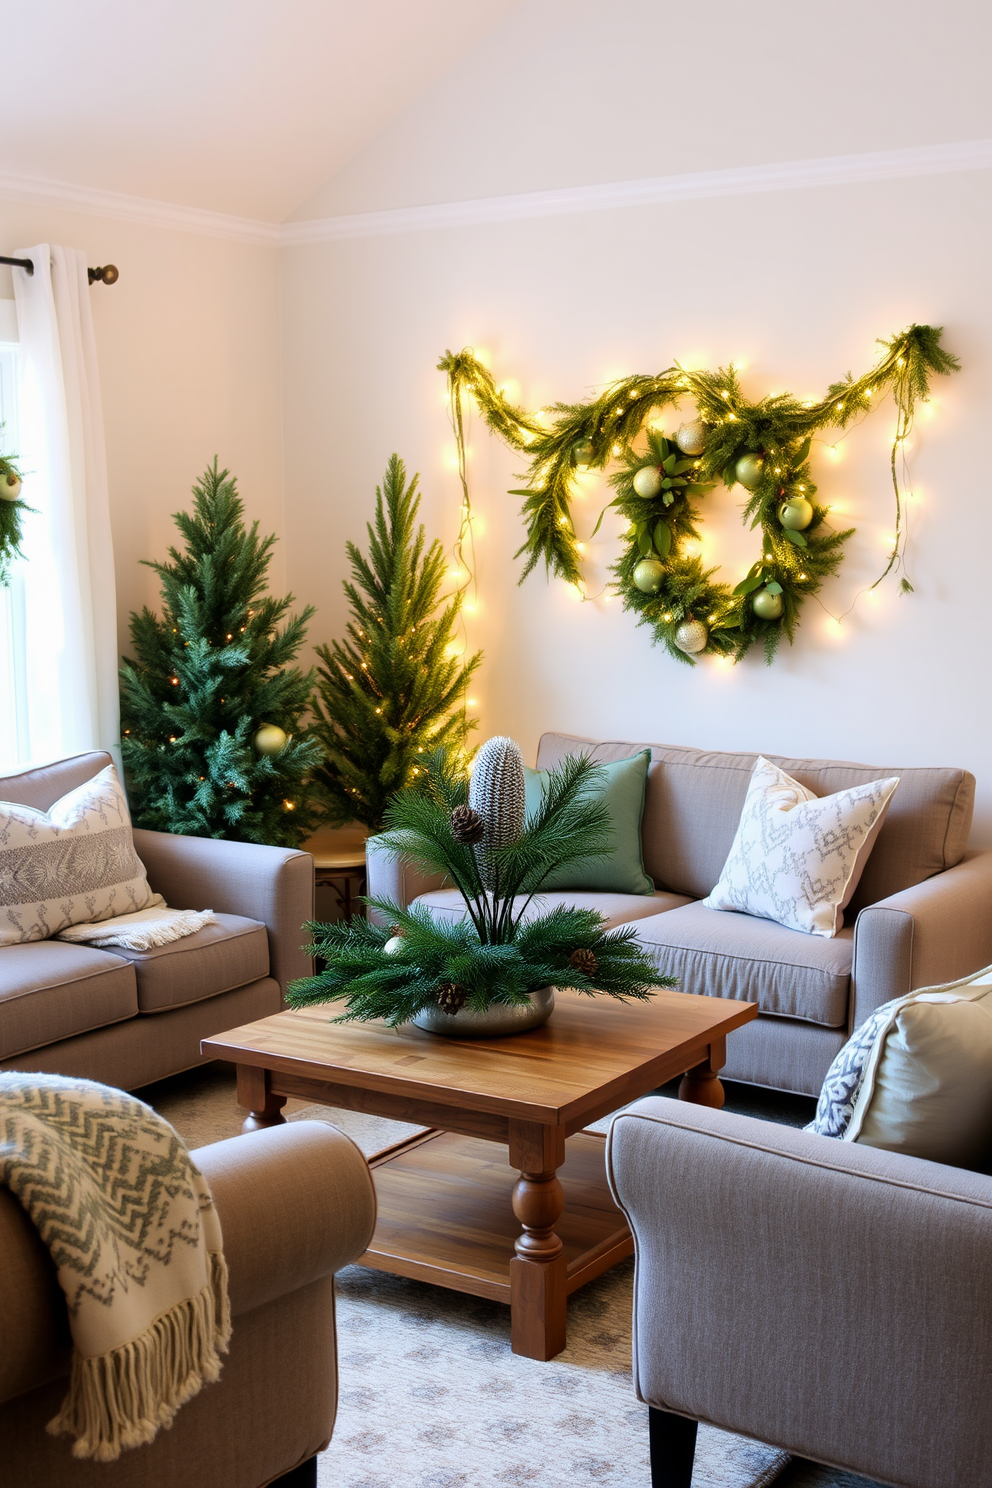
[[270, 738], [691, 437], [691, 636], [749, 470], [647, 480]]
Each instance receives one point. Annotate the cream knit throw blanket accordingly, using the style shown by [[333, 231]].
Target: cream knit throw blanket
[[131, 1227]]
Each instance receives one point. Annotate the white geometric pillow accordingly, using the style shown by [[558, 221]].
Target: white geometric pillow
[[70, 865], [797, 858]]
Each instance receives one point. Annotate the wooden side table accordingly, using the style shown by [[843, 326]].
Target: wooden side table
[[339, 864]]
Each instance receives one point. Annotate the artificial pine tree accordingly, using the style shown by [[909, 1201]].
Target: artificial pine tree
[[390, 692], [211, 689]]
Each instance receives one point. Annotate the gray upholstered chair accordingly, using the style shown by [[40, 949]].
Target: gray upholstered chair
[[296, 1203], [825, 1297]]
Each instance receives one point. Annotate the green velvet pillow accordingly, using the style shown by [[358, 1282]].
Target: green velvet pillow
[[622, 872]]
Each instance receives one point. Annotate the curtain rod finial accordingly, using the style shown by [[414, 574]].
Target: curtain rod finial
[[109, 274]]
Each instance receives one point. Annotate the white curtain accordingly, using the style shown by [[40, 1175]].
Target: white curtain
[[70, 610]]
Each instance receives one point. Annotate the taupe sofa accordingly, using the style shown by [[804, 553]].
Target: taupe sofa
[[822, 1296], [127, 1017], [296, 1203], [922, 913]]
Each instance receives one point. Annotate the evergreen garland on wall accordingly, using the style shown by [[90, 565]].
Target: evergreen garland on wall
[[764, 445]]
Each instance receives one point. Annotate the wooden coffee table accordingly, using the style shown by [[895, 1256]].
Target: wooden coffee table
[[447, 1197]]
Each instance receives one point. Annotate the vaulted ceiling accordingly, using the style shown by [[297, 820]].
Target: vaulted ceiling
[[237, 106]]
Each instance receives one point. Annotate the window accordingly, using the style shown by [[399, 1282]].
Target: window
[[13, 657]]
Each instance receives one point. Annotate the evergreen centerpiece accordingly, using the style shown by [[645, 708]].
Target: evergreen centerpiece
[[420, 968], [391, 693], [211, 708]]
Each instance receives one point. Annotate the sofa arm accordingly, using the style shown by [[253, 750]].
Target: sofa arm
[[296, 1203], [271, 884], [937, 931], [387, 877], [832, 1299]]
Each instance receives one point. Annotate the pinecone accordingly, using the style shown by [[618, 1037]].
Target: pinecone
[[584, 961], [450, 997], [467, 825]]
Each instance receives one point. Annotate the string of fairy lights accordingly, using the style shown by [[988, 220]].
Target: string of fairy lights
[[763, 446]]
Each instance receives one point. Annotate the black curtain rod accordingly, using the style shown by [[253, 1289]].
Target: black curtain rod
[[107, 275]]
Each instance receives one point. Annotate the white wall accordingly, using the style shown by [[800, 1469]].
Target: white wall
[[188, 344], [797, 284]]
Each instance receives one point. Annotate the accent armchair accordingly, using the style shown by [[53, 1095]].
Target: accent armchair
[[296, 1203], [828, 1298]]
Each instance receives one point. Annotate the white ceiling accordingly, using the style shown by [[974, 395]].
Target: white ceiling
[[236, 106]]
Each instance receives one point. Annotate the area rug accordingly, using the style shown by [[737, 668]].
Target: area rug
[[432, 1397]]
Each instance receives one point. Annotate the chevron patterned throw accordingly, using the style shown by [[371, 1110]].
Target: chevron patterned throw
[[132, 1231]]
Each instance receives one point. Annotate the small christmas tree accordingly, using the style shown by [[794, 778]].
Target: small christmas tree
[[389, 694], [210, 709]]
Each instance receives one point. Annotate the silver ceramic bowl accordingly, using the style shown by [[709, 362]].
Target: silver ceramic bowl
[[496, 1022]]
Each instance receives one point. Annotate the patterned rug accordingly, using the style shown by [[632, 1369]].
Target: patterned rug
[[432, 1397]]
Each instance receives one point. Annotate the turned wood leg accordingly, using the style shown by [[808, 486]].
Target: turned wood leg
[[673, 1449], [538, 1299], [702, 1085], [255, 1095]]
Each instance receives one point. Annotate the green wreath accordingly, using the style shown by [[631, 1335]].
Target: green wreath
[[11, 507], [762, 445]]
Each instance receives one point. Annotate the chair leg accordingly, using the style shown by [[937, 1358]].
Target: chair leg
[[304, 1476], [673, 1448]]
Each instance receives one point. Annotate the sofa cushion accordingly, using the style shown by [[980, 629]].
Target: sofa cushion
[[621, 790], [694, 799], [50, 991], [70, 865], [798, 858], [616, 909], [227, 954], [716, 953]]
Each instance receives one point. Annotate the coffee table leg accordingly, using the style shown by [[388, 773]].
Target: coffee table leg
[[702, 1085], [255, 1095], [538, 1299]]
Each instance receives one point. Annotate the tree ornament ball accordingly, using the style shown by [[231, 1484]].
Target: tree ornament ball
[[270, 739], [767, 606], [393, 944], [749, 470], [10, 487], [691, 437], [796, 513], [647, 480], [583, 452], [691, 636], [649, 575]]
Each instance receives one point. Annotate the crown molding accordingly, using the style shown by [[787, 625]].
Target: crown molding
[[140, 209], [745, 180]]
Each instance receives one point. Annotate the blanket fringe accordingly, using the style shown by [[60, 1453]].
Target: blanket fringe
[[121, 1399]]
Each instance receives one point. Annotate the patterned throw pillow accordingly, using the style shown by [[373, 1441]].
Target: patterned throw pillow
[[797, 858], [916, 1076], [71, 865]]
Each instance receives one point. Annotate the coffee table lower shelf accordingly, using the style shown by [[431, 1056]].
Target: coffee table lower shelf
[[446, 1216]]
